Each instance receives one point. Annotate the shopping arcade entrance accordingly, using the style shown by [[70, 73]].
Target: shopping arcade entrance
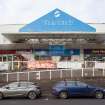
[[21, 41], [56, 28]]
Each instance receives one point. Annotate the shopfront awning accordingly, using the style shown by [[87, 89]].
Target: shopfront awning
[[24, 46], [16, 37], [19, 40]]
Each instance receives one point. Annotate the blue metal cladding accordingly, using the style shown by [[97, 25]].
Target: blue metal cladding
[[57, 21]]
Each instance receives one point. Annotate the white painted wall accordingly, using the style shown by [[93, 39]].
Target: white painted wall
[[8, 29], [4, 40]]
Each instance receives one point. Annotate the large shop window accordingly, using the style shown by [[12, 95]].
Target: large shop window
[[94, 54]]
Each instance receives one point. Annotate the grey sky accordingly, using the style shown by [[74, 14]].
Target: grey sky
[[25, 11]]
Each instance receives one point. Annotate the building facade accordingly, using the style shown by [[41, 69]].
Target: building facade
[[56, 40]]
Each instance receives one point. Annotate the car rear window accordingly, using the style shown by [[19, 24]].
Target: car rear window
[[81, 84], [23, 84], [71, 83]]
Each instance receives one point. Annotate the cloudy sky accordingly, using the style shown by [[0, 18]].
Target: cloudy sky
[[25, 11]]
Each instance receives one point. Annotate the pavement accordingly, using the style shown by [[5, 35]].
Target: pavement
[[52, 101]]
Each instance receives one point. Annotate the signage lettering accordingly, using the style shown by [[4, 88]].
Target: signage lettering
[[41, 64], [59, 22]]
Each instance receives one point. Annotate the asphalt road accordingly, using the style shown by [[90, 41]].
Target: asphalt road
[[52, 101]]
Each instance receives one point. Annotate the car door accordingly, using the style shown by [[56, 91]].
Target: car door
[[23, 88], [82, 89], [72, 88]]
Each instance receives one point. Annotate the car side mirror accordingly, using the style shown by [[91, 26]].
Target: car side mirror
[[7, 87], [87, 86]]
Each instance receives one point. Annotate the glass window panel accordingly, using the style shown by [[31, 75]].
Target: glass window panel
[[0, 58], [4, 58], [9, 58]]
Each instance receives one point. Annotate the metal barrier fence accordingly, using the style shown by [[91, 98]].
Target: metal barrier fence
[[51, 74]]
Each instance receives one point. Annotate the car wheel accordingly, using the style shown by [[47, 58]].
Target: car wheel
[[32, 95], [63, 95], [1, 96], [99, 95]]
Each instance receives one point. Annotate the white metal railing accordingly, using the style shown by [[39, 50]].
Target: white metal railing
[[38, 74]]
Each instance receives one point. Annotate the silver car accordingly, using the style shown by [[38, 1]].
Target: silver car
[[26, 89]]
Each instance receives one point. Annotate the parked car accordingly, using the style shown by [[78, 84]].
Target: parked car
[[66, 89], [26, 89]]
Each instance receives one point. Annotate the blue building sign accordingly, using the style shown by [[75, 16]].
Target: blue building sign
[[70, 52], [57, 21], [56, 50]]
